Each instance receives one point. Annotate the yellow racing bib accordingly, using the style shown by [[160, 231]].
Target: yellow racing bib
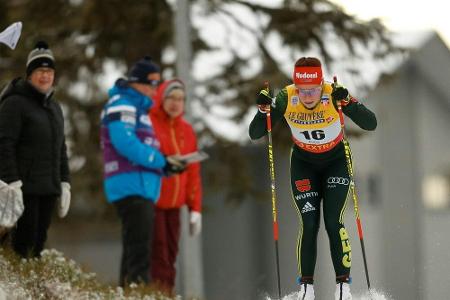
[[315, 130]]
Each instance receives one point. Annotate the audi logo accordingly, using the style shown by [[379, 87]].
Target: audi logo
[[338, 180]]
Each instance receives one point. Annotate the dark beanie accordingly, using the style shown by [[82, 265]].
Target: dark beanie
[[40, 57], [140, 70]]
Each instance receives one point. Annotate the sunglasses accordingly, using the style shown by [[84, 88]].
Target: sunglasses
[[153, 83], [310, 92]]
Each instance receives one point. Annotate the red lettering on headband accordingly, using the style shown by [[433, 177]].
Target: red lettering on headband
[[307, 75]]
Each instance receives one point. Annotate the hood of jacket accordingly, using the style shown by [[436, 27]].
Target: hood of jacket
[[158, 109]]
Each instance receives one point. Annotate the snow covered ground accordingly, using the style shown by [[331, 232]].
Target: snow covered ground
[[373, 295]]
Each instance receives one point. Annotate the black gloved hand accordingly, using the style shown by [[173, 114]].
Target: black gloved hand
[[264, 97], [173, 166], [339, 93]]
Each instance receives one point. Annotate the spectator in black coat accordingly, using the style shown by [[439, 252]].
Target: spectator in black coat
[[33, 151]]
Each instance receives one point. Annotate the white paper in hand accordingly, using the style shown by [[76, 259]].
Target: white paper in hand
[[193, 157], [10, 36]]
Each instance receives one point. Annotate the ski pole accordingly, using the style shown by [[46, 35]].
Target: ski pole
[[348, 158], [272, 185]]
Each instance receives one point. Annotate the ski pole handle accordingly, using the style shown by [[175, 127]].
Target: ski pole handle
[[266, 85], [334, 82], [266, 107], [339, 106]]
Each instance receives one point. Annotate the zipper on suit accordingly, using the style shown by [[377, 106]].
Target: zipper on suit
[[177, 151]]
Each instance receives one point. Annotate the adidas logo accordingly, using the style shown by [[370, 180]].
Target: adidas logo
[[307, 207]]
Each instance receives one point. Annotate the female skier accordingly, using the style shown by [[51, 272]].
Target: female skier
[[318, 164]]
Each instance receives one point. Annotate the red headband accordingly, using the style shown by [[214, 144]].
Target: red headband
[[307, 75]]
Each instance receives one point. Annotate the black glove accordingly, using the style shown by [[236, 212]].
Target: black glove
[[339, 93], [264, 97], [173, 166]]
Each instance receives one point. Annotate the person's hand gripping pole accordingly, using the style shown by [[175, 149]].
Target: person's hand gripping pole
[[264, 99]]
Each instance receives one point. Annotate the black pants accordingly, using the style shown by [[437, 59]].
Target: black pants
[[30, 234], [314, 184], [136, 214]]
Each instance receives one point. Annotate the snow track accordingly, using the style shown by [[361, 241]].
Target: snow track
[[373, 295]]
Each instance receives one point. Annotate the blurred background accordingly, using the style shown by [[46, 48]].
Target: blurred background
[[224, 50]]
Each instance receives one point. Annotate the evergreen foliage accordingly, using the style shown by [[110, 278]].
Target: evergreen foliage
[[86, 35]]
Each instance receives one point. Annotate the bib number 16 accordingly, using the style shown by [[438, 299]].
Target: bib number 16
[[314, 134]]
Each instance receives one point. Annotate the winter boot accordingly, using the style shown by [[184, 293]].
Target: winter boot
[[306, 292], [342, 291]]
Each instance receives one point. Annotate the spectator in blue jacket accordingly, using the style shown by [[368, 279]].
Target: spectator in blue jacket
[[133, 165]]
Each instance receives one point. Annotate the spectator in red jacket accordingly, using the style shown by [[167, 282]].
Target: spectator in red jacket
[[176, 136]]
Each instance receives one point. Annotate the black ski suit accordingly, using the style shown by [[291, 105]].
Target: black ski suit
[[318, 172]]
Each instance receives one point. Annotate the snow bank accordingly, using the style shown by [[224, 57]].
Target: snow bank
[[55, 277], [373, 295]]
